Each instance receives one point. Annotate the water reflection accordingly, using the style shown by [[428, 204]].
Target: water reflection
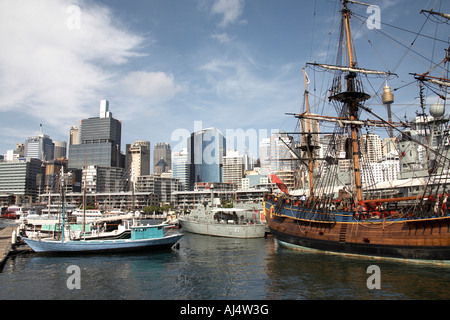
[[211, 268], [305, 275]]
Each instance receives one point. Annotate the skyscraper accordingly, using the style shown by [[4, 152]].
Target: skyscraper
[[60, 149], [275, 154], [74, 135], [206, 149], [140, 159], [372, 146], [233, 168], [162, 158], [99, 141], [180, 167], [39, 147]]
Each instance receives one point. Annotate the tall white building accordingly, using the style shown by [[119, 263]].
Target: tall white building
[[140, 159], [274, 153], [104, 109], [264, 153], [233, 168], [388, 169], [372, 147]]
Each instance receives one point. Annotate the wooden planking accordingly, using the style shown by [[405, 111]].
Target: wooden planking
[[5, 244]]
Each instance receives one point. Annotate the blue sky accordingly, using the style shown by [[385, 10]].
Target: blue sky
[[168, 65]]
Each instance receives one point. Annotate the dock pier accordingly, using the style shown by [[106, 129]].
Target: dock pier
[[7, 244]]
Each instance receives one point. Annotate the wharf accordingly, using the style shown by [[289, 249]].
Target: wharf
[[7, 247]]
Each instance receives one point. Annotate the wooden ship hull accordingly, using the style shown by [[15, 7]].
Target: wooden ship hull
[[423, 239]]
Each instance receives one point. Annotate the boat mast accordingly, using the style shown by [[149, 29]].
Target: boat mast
[[63, 200], [309, 146], [444, 15], [351, 102], [84, 193]]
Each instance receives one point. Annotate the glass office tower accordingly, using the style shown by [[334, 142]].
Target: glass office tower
[[206, 149], [99, 141]]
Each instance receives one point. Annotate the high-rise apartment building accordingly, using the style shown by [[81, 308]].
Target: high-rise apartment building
[[206, 149], [140, 159], [104, 179], [264, 153], [160, 185], [233, 168], [162, 158], [275, 154], [372, 147], [99, 141]]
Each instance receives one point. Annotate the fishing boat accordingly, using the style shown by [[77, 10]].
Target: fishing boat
[[212, 220], [107, 228], [149, 237], [339, 213]]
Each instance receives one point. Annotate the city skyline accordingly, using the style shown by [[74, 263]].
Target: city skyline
[[232, 64]]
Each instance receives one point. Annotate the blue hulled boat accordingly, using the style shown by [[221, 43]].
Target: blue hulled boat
[[148, 237]]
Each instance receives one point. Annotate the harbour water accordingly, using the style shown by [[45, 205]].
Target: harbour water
[[211, 268]]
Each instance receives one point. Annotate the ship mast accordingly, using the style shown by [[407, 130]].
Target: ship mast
[[309, 146], [347, 91], [351, 99]]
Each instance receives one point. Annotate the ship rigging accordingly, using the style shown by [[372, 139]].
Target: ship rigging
[[343, 210]]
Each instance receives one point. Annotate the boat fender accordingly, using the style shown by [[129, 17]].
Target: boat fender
[[13, 237]]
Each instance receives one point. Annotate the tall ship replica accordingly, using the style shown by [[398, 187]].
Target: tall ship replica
[[407, 218]]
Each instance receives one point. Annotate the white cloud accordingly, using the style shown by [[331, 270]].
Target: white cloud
[[230, 9], [54, 72], [221, 37], [154, 85], [239, 87]]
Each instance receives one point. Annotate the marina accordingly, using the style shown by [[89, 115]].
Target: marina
[[352, 204]]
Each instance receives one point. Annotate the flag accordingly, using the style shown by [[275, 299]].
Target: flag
[[307, 78], [279, 183]]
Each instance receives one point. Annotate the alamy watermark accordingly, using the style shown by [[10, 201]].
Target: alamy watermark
[[74, 20], [74, 280], [374, 280], [374, 20], [208, 150]]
